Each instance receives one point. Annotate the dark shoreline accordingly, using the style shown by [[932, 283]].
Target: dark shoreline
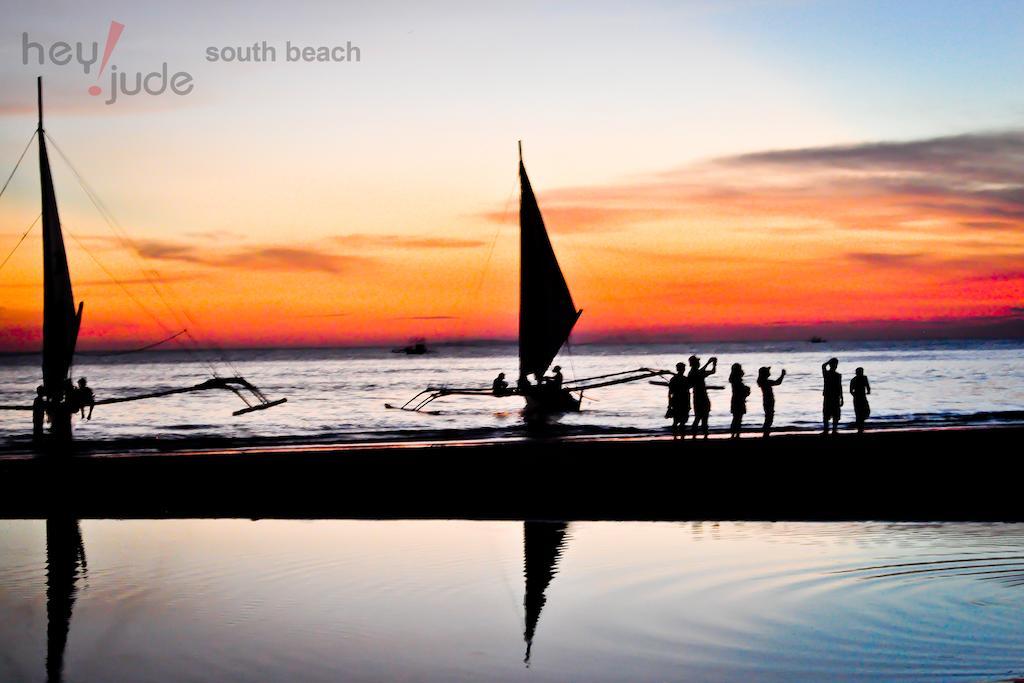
[[912, 475]]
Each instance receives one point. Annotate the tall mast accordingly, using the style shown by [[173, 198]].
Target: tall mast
[[60, 320], [39, 94]]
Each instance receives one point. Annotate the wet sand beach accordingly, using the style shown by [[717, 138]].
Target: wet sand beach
[[929, 475]]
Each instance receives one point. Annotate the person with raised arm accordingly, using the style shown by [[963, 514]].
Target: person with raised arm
[[832, 395], [768, 385], [701, 401]]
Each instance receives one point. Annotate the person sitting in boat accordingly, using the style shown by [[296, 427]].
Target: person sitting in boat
[[738, 405], [38, 413], [499, 387], [832, 394], [554, 382], [860, 387], [679, 399], [768, 385], [701, 401], [84, 398]]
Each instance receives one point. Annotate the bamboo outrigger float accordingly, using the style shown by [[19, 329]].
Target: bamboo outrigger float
[[547, 315], [62, 320]]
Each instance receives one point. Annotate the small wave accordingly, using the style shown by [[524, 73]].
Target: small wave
[[1007, 569]]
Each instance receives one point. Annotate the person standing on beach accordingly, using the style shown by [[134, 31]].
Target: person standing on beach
[[832, 394], [701, 401], [859, 389], [738, 405], [38, 413], [679, 400], [768, 385]]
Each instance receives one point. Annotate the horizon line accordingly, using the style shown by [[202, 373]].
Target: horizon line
[[506, 342]]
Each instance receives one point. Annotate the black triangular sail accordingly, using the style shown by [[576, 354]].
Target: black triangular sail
[[60, 321], [546, 311]]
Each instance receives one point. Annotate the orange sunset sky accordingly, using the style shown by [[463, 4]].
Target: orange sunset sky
[[761, 170]]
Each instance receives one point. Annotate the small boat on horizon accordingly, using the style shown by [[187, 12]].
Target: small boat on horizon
[[816, 340], [547, 316], [415, 347]]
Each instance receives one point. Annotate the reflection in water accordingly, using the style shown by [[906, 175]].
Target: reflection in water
[[543, 543], [64, 554], [323, 601]]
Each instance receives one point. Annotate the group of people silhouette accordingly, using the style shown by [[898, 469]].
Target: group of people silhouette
[[59, 408], [683, 385], [550, 383]]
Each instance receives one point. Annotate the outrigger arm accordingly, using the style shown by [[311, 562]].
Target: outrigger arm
[[253, 398], [421, 400]]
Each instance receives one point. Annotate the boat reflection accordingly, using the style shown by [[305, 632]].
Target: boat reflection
[[543, 543], [65, 561]]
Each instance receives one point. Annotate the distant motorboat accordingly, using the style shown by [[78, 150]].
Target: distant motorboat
[[416, 347], [817, 340]]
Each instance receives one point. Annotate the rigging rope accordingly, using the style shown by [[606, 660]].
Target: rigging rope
[[103, 354], [136, 300], [115, 227], [17, 163], [147, 347], [126, 242], [568, 350], [468, 297], [494, 242], [20, 240], [234, 384]]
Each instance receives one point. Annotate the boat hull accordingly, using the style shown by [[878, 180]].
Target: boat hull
[[542, 403]]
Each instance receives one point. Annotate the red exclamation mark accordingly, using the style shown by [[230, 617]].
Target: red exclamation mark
[[112, 36]]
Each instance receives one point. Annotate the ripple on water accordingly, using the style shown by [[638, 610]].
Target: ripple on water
[[443, 600], [823, 611]]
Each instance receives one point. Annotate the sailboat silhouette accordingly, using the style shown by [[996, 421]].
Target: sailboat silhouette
[[547, 316], [62, 320]]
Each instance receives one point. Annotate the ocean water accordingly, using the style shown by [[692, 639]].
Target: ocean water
[[329, 600], [340, 394]]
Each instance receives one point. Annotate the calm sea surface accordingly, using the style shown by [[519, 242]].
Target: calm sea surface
[[336, 395], [239, 600]]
